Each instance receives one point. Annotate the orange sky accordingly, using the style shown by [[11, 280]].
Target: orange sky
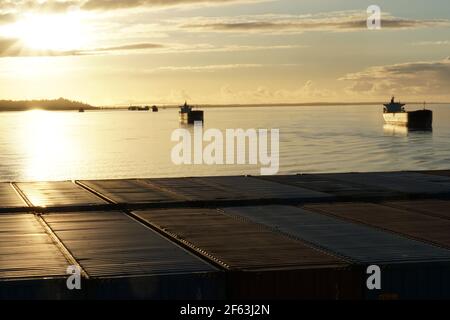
[[223, 51]]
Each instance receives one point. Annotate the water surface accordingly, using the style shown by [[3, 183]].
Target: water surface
[[39, 145]]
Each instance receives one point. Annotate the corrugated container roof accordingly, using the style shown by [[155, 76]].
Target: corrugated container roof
[[256, 189], [436, 208], [323, 183], [406, 182], [56, 194], [195, 189], [27, 251], [235, 243], [9, 197], [412, 224], [113, 244], [130, 191], [356, 242]]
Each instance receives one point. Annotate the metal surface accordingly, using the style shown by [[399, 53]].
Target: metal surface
[[235, 243], [57, 194], [258, 189], [27, 251], [412, 224], [341, 189], [112, 244], [436, 208], [406, 182], [321, 283], [9, 197], [445, 173], [195, 189], [129, 191], [412, 281], [356, 242]]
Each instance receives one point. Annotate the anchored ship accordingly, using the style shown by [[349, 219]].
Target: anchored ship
[[395, 114], [189, 116]]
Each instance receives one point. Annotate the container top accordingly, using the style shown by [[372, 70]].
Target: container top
[[27, 251], [113, 244], [235, 243], [356, 242]]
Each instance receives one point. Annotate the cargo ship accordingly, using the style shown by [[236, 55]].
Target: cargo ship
[[189, 116], [395, 114]]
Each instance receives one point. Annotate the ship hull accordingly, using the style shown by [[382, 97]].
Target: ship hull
[[421, 119], [191, 117]]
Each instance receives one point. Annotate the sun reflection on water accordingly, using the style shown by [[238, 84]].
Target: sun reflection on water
[[46, 142]]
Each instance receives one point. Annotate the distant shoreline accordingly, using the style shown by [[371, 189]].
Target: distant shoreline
[[60, 104], [312, 104], [68, 105]]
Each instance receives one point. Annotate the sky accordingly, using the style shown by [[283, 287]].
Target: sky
[[120, 52]]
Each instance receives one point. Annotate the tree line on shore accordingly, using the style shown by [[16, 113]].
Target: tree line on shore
[[60, 104]]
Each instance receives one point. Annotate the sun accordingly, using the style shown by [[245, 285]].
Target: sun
[[51, 32]]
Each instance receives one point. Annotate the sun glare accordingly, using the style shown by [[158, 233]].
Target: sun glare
[[51, 32]]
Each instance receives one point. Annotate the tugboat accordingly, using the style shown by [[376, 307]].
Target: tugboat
[[394, 113], [189, 116]]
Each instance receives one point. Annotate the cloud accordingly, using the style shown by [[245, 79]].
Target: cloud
[[307, 92], [19, 6], [10, 47], [126, 47], [341, 21], [412, 79], [124, 4], [6, 18], [15, 48], [432, 43], [207, 68]]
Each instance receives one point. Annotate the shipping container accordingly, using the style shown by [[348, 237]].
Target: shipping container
[[436, 208], [409, 183], [411, 281], [195, 189], [58, 194], [31, 264], [9, 198], [130, 191], [445, 173], [27, 251], [409, 269], [340, 189], [406, 222], [261, 263], [355, 242], [125, 259], [43, 288], [259, 189]]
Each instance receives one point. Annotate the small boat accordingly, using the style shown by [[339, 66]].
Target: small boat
[[155, 109], [394, 113], [138, 108], [189, 116], [81, 110]]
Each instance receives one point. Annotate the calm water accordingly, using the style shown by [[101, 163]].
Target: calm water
[[40, 145]]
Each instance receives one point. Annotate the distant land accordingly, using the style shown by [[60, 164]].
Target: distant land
[[259, 105], [60, 104]]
